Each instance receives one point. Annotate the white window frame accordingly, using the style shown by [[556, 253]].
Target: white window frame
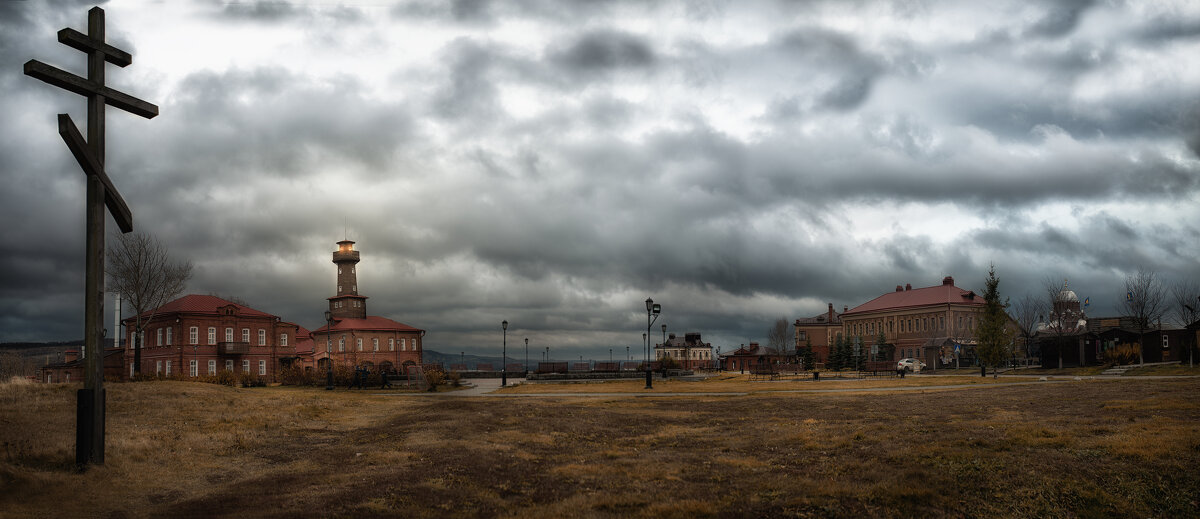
[[193, 367], [283, 339], [375, 344], [262, 337], [229, 365], [168, 373], [245, 365], [392, 344], [158, 337], [342, 344], [403, 344], [246, 335], [358, 343], [228, 334], [158, 367], [212, 335], [212, 366], [170, 337], [262, 367]]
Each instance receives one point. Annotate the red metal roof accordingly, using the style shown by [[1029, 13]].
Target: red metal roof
[[200, 304], [936, 295], [372, 322]]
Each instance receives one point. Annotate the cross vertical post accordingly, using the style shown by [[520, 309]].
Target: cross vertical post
[[89, 431]]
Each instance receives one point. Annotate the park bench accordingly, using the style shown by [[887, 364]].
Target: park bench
[[878, 368]]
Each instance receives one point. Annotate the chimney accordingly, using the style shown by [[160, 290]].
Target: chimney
[[845, 309], [947, 280], [907, 286], [899, 288], [831, 312]]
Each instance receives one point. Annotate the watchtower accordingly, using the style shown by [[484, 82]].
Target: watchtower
[[347, 303]]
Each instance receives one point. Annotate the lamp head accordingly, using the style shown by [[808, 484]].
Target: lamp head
[[527, 341], [657, 309], [504, 325], [649, 304], [328, 316], [664, 327]]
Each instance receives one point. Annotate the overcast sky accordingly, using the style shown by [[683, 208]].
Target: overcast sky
[[554, 163]]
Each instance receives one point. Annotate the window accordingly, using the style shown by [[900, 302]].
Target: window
[[229, 335], [339, 289], [942, 322], [158, 339], [212, 335], [416, 347], [245, 366], [358, 342], [158, 367], [403, 345], [212, 367], [283, 339], [375, 344], [342, 344], [392, 344], [246, 335], [1165, 345], [130, 370], [262, 367], [168, 368], [169, 336], [228, 364], [802, 335], [925, 324], [192, 368], [262, 337]]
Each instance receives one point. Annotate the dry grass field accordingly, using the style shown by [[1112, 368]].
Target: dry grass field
[[1119, 448]]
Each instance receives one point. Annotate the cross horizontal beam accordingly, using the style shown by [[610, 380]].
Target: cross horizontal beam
[[79, 148], [80, 41], [68, 81]]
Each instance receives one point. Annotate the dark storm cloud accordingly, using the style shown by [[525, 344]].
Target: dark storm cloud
[[603, 51], [1061, 18], [262, 11]]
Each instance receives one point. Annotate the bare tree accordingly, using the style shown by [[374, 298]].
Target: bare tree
[[1061, 318], [1186, 302], [1025, 311], [777, 336], [141, 271], [1145, 302]]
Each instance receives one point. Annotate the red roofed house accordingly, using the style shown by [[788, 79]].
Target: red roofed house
[[358, 339], [202, 335], [923, 323]]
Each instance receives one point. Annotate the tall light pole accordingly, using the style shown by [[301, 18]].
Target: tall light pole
[[547, 354], [652, 311], [527, 354], [504, 356], [329, 350], [627, 356]]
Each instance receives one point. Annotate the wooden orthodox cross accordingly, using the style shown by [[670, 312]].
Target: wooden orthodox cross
[[89, 429]]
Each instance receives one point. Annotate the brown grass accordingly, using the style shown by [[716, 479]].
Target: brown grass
[[1094, 448], [737, 383]]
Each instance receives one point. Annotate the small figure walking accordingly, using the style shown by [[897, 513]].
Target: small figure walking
[[386, 383]]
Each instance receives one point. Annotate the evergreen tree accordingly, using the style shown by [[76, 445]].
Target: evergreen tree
[[837, 355], [993, 337], [806, 355], [883, 350]]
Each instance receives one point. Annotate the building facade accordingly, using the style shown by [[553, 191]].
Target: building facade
[[689, 351], [353, 338], [820, 331], [923, 323], [199, 335]]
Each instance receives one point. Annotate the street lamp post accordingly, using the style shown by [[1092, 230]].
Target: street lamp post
[[329, 351], [527, 354], [504, 356], [652, 311]]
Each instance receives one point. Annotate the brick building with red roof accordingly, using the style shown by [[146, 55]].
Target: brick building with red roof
[[820, 331], [923, 323], [353, 338], [204, 334]]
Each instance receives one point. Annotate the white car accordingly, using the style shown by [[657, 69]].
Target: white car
[[910, 365]]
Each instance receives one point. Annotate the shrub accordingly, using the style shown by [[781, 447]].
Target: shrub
[[434, 377], [455, 379], [1122, 354]]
